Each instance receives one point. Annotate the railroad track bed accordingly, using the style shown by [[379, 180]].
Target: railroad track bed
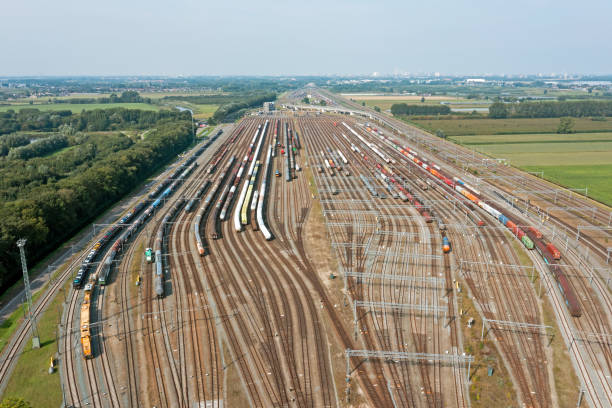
[[583, 256], [231, 284]]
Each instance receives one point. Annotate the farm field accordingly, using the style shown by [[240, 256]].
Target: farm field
[[532, 138], [595, 177], [79, 107], [459, 127], [384, 102], [575, 161], [204, 111]]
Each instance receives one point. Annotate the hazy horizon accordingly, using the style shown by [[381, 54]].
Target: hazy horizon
[[275, 38]]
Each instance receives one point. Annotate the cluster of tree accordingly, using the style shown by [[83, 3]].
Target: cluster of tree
[[234, 110], [7, 142], [50, 203], [94, 120], [125, 97], [566, 126], [213, 99], [38, 148], [14, 403], [20, 178], [550, 109], [31, 119], [405, 109]]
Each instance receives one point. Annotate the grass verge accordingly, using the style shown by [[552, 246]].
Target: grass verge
[[30, 379], [485, 391]]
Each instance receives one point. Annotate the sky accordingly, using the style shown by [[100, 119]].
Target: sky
[[276, 37]]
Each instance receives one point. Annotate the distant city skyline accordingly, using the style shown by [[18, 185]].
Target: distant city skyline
[[285, 38]]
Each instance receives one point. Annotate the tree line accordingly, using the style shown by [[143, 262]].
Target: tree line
[[405, 109], [125, 97], [551, 109], [231, 111], [48, 199], [93, 120]]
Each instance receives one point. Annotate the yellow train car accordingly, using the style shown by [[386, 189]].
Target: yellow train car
[[85, 321], [245, 206]]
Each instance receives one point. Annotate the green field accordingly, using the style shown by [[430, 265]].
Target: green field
[[575, 161], [595, 177], [79, 107], [204, 111], [460, 126], [532, 138], [385, 104]]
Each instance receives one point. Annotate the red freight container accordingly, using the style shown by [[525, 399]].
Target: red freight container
[[520, 234], [537, 233], [554, 251], [512, 227], [481, 223]]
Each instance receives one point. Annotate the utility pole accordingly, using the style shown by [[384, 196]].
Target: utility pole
[[26, 280]]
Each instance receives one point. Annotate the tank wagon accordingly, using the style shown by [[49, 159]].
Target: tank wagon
[[445, 245]]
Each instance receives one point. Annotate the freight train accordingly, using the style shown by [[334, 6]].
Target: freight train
[[551, 256], [133, 222], [85, 321], [81, 276], [167, 186], [530, 237]]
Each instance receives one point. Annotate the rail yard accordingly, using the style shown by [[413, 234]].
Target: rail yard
[[318, 258]]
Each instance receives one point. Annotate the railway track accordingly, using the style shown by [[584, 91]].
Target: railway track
[[264, 301], [597, 398]]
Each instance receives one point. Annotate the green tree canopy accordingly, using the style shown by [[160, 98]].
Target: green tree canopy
[[566, 125], [14, 403], [498, 110]]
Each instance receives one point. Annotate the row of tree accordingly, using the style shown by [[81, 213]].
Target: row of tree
[[547, 109], [405, 109], [234, 110], [40, 147], [125, 97], [57, 202], [93, 120]]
